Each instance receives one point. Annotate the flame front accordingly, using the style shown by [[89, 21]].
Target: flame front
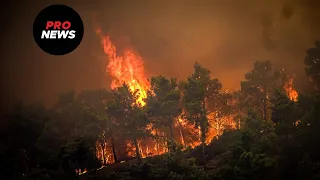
[[125, 69]]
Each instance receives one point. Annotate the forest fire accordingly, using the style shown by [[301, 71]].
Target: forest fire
[[228, 98], [128, 69]]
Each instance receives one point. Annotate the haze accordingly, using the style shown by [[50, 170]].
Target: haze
[[225, 36]]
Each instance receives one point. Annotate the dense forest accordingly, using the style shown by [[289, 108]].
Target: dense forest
[[191, 129]]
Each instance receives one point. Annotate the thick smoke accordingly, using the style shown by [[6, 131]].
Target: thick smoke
[[267, 27], [287, 11]]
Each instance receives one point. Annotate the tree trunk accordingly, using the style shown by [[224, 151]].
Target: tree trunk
[[203, 144], [265, 109], [181, 134], [173, 146], [114, 149], [203, 127], [218, 130], [265, 105], [171, 133], [102, 144], [138, 155], [157, 142]]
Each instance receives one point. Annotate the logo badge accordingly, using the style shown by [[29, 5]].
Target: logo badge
[[58, 29]]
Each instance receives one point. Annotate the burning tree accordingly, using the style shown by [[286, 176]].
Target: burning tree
[[163, 105], [221, 114], [199, 90], [126, 68], [130, 116], [94, 103]]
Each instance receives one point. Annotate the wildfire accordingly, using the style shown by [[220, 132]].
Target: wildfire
[[125, 69], [291, 92]]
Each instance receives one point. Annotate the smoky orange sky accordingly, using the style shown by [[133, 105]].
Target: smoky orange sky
[[224, 36]]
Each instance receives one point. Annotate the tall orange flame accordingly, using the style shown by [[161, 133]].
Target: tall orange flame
[[125, 69], [291, 92]]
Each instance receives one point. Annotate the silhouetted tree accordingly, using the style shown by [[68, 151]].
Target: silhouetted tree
[[131, 117], [199, 90], [163, 104], [283, 112], [258, 86], [312, 63]]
